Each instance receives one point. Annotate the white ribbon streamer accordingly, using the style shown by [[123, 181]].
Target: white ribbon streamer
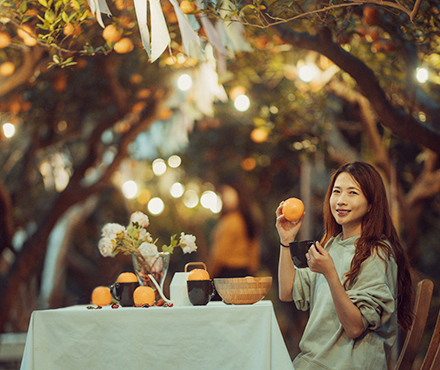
[[233, 31], [223, 36], [213, 35], [207, 89], [98, 7], [190, 39], [160, 37], [140, 7]]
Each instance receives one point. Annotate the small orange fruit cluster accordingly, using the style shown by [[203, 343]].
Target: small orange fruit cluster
[[28, 35], [293, 209]]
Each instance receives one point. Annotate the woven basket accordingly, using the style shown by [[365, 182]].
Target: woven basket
[[246, 290]]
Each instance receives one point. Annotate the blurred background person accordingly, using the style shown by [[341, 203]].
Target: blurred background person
[[235, 250]]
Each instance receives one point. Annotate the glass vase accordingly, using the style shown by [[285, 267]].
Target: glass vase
[[156, 266]]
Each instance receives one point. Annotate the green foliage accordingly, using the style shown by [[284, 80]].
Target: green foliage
[[173, 243], [57, 61]]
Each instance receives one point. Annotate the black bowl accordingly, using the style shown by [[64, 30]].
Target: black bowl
[[298, 251]]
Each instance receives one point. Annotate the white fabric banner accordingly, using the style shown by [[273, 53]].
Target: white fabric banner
[[97, 7], [160, 37], [190, 39], [140, 7]]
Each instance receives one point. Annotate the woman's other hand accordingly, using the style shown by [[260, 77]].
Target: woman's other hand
[[319, 260]]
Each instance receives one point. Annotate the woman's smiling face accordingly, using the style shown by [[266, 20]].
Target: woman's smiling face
[[348, 205]]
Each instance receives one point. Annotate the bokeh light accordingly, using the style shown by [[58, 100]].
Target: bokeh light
[[9, 130], [159, 167], [422, 75], [129, 189], [236, 91], [174, 161], [242, 103], [218, 206], [209, 200], [184, 82], [259, 135], [190, 198], [177, 190], [307, 73], [248, 164], [156, 206], [144, 197]]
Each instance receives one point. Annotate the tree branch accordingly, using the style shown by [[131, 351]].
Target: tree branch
[[400, 123], [31, 58], [268, 20]]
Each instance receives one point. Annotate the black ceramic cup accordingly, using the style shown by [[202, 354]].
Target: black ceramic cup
[[200, 292], [123, 293], [298, 251]]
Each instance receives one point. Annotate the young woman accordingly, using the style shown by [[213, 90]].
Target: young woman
[[357, 285], [235, 242]]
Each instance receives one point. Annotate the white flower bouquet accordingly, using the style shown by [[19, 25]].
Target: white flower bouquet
[[137, 241]]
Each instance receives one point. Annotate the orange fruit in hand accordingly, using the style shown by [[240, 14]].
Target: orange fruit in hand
[[143, 295], [293, 209], [101, 296], [127, 277], [198, 274]]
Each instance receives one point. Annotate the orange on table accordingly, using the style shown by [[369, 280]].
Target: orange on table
[[293, 209], [198, 274], [143, 295], [101, 296], [127, 277]]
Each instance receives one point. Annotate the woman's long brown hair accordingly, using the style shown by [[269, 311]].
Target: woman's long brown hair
[[377, 231]]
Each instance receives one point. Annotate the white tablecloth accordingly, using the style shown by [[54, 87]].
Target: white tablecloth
[[216, 336]]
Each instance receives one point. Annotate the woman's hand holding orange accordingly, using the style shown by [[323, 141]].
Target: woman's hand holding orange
[[319, 260], [287, 230]]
